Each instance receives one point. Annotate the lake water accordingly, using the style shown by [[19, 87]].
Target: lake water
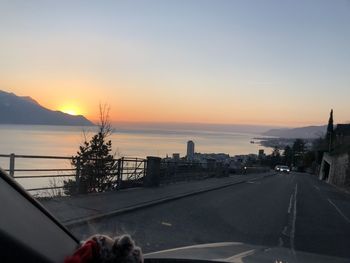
[[65, 141]]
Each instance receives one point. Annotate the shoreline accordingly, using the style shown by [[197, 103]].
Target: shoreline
[[281, 143]]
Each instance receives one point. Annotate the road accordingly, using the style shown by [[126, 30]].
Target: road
[[294, 210]]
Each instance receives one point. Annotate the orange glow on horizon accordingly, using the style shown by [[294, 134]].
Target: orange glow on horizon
[[71, 109], [252, 72], [77, 96]]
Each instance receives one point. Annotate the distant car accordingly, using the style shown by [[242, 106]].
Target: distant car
[[283, 169], [277, 168]]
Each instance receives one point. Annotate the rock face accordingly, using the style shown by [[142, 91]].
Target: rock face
[[25, 110]]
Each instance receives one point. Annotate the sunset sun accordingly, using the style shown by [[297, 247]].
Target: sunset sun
[[71, 110]]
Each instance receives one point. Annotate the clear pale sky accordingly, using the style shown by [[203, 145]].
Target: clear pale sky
[[252, 62]]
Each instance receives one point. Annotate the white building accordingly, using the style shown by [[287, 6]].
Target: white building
[[190, 151]]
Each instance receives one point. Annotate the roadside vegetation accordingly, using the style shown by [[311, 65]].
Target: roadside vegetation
[[94, 162], [307, 157]]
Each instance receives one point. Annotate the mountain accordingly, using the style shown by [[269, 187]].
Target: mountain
[[25, 110], [308, 132]]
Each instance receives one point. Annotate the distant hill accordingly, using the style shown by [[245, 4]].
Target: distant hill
[[302, 132], [25, 110]]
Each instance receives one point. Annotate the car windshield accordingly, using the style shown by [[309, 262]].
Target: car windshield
[[184, 122]]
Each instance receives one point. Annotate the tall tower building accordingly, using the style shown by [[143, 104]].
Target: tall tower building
[[190, 151]]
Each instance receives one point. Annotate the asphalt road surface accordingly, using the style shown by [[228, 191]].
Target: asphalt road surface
[[294, 210]]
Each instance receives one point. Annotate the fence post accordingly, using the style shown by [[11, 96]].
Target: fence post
[[78, 175], [152, 177], [175, 172], [12, 165], [119, 175]]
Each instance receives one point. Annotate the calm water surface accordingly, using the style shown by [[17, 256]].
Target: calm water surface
[[64, 141]]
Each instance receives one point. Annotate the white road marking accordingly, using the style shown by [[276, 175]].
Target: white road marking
[[210, 245], [166, 224], [253, 182], [292, 232], [239, 257], [280, 242], [292, 212], [339, 211], [255, 178], [284, 231], [317, 187], [290, 203]]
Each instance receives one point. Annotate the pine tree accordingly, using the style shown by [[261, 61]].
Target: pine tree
[[94, 161], [275, 156], [330, 126], [298, 151], [288, 155], [330, 130]]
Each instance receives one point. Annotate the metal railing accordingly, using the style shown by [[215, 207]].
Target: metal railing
[[126, 171], [47, 178], [130, 171]]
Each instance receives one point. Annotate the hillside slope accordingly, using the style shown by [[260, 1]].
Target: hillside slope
[[25, 110]]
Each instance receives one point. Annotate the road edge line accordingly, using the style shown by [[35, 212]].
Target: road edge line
[[339, 211]]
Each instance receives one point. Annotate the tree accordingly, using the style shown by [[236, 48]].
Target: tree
[[298, 152], [94, 161], [330, 130], [298, 147], [275, 156], [276, 152], [288, 155], [309, 159], [330, 126]]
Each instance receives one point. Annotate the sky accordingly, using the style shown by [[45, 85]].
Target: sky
[[284, 63]]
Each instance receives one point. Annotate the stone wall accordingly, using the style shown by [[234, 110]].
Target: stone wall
[[338, 169]]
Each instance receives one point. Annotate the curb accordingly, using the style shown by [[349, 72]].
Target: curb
[[81, 221]]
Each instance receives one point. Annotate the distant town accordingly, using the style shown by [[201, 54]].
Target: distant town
[[205, 159]]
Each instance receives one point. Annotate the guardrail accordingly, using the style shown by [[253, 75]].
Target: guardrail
[[127, 171], [49, 178]]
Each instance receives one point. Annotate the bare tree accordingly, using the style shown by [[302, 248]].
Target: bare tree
[[94, 161], [105, 127]]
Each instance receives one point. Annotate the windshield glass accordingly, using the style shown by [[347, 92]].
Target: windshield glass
[[182, 122]]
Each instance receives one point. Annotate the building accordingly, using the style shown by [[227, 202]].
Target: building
[[342, 134], [190, 151], [335, 165], [261, 154], [176, 156]]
